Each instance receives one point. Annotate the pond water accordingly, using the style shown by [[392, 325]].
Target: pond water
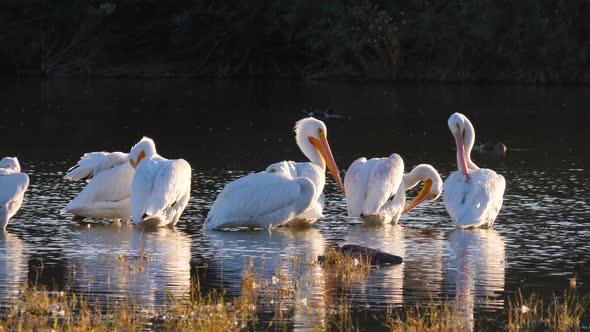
[[226, 129]]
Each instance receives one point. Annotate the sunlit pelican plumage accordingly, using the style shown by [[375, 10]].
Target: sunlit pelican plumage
[[107, 194], [13, 185], [376, 188], [287, 195], [293, 170], [472, 195], [431, 190], [160, 188]]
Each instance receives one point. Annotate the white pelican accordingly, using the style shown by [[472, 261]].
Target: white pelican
[[290, 194], [376, 188], [13, 185], [472, 195], [107, 194], [160, 188]]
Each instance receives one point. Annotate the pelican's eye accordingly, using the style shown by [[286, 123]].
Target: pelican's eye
[[458, 127], [272, 170]]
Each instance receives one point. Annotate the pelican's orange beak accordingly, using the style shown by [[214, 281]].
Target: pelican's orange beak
[[423, 196], [459, 141], [139, 158], [324, 149]]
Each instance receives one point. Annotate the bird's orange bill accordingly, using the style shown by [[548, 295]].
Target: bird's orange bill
[[461, 151], [423, 196], [139, 158], [324, 149]]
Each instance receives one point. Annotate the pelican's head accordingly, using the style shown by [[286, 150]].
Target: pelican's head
[[144, 148], [432, 185], [283, 167], [462, 130], [10, 163], [311, 136]]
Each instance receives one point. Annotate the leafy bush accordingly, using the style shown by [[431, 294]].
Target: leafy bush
[[529, 40]]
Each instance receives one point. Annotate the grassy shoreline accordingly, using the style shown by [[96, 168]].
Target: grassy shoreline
[[280, 298]]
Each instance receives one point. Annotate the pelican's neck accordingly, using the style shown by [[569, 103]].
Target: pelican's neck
[[469, 141], [310, 151], [419, 173], [145, 149], [150, 152]]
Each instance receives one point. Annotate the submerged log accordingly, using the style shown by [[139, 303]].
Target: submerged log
[[377, 257]]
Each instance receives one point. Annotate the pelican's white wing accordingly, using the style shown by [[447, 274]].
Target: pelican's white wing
[[260, 200], [370, 184], [12, 191], [355, 184], [477, 202], [383, 182], [93, 163], [316, 175], [160, 189], [106, 196], [171, 184]]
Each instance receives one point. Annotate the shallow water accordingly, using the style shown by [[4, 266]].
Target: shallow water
[[229, 129]]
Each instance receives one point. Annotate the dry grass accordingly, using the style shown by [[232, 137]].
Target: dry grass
[[40, 309], [346, 266], [524, 313], [565, 313], [562, 313], [433, 316]]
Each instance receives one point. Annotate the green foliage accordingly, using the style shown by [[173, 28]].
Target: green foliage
[[529, 40]]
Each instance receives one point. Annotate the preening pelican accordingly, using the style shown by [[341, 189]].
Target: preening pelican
[[107, 194], [292, 193], [160, 188], [13, 185], [376, 188], [472, 195]]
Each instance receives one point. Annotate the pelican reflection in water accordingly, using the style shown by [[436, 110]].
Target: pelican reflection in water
[[13, 267], [423, 271], [474, 267], [387, 284], [282, 258], [126, 261]]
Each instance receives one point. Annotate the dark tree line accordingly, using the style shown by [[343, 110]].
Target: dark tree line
[[451, 40]]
